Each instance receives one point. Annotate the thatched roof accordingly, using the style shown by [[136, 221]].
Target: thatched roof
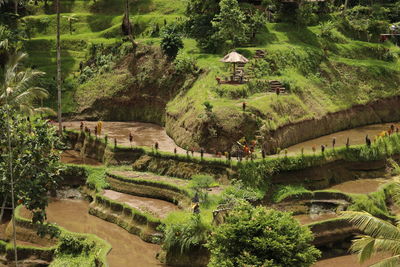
[[234, 57]]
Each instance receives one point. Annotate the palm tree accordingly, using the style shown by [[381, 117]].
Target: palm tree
[[379, 236], [58, 69], [71, 19], [16, 87]]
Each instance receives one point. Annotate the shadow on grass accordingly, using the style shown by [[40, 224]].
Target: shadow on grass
[[297, 34]]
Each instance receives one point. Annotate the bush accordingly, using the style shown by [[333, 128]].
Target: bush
[[186, 65], [186, 235], [171, 41], [260, 237]]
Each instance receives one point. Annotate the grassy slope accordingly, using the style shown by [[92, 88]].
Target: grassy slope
[[353, 72]]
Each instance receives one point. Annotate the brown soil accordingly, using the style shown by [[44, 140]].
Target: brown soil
[[156, 207], [74, 157], [311, 218], [3, 226], [362, 186], [126, 250], [349, 261]]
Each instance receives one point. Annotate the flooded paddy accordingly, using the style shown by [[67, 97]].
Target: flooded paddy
[[126, 248], [361, 186], [356, 137], [144, 134], [156, 207]]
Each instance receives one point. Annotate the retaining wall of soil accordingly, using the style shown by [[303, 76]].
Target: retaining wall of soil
[[132, 220], [144, 159], [323, 176], [379, 111], [312, 171]]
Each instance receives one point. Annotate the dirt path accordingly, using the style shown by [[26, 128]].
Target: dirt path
[[153, 177], [156, 207]]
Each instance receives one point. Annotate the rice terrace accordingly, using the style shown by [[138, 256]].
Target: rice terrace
[[194, 133]]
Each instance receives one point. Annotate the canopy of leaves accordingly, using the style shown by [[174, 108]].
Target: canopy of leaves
[[255, 236], [34, 158], [230, 24]]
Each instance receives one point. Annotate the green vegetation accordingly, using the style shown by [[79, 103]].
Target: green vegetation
[[379, 236], [284, 191], [280, 242], [33, 159], [92, 250]]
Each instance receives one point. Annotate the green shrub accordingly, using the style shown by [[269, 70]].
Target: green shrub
[[255, 236], [185, 235]]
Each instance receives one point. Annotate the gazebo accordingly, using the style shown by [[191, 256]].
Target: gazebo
[[235, 58]]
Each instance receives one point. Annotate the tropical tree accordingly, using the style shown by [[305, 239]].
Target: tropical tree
[[71, 19], [17, 87], [58, 59], [256, 236], [379, 236], [200, 14], [230, 24]]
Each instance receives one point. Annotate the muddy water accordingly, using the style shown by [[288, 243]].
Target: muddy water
[[348, 261], [156, 207], [144, 134], [74, 157], [356, 135], [362, 186], [127, 249], [311, 218]]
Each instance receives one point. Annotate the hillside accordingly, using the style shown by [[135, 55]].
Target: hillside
[[321, 74]]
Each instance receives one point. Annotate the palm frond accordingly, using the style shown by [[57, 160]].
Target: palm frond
[[389, 262], [372, 226], [366, 246]]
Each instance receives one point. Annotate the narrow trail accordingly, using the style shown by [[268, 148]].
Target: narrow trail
[[156, 207]]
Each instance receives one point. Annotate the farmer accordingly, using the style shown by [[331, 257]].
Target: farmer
[[367, 141], [130, 138]]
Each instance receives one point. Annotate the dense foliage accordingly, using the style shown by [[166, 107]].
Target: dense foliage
[[171, 41], [34, 159], [255, 236]]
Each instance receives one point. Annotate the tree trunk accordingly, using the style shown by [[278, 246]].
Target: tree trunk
[[10, 165], [16, 7], [3, 206], [58, 69]]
